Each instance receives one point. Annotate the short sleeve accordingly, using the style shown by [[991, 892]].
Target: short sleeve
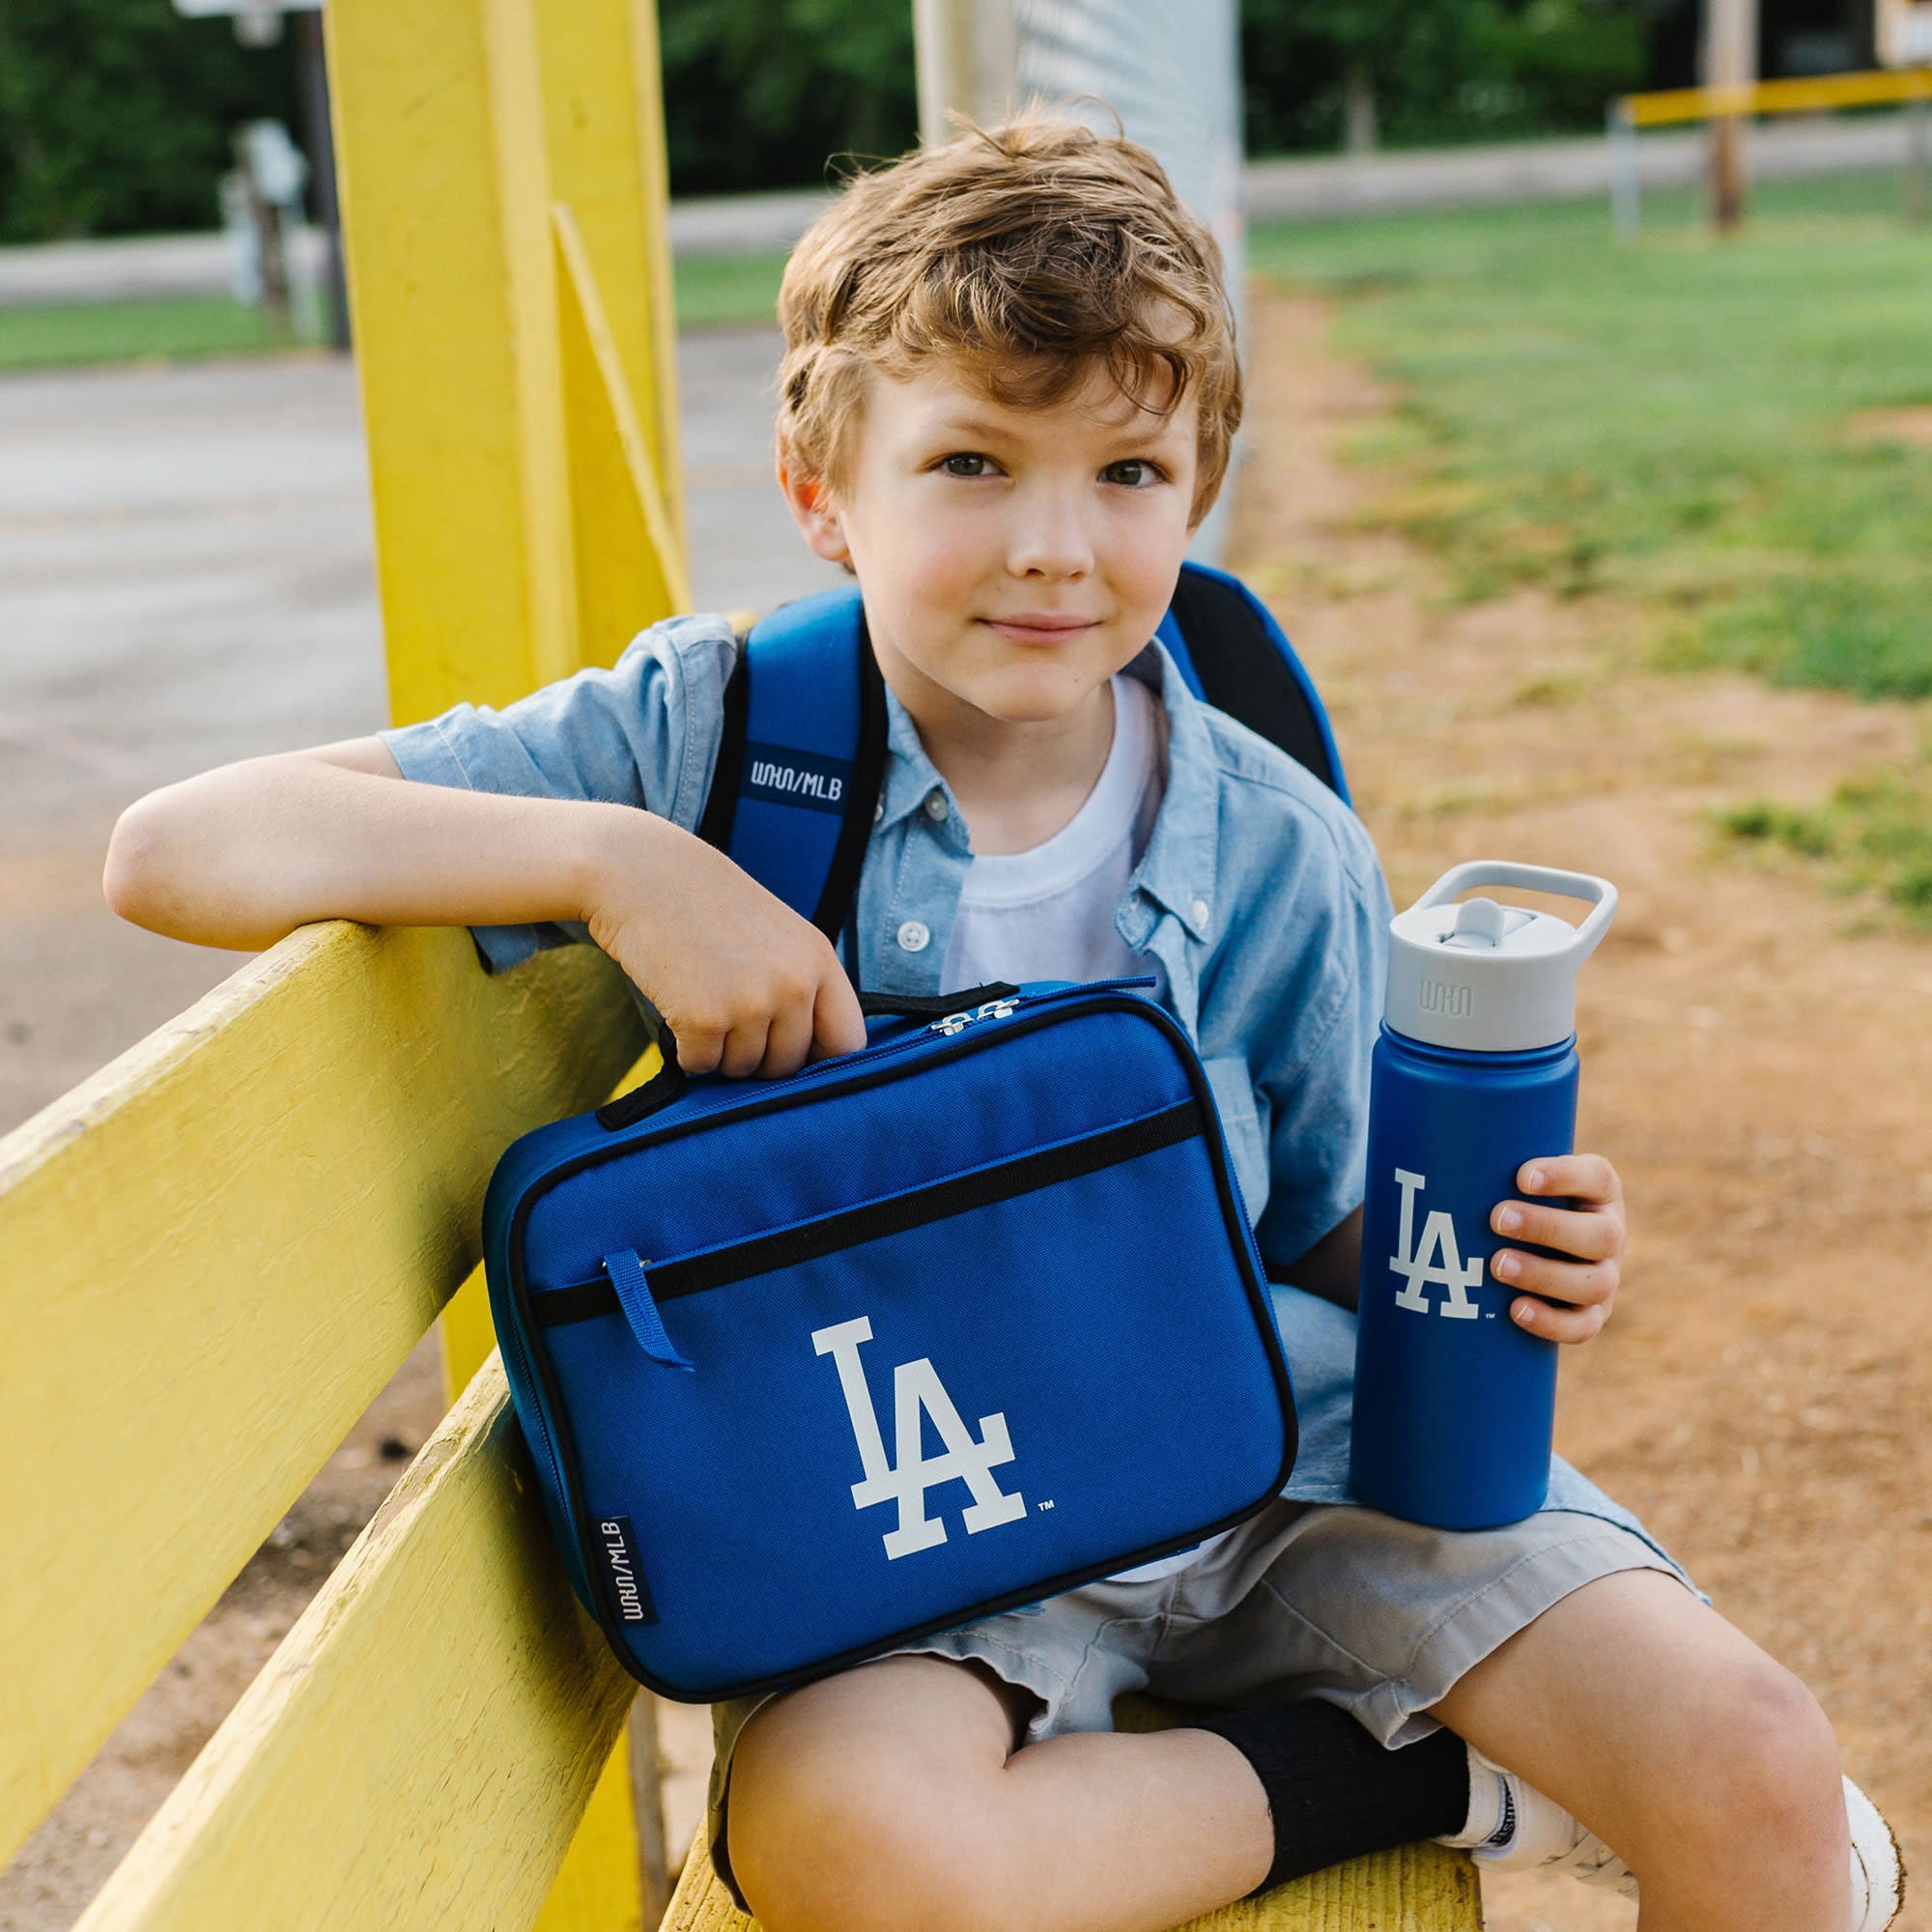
[[643, 734]]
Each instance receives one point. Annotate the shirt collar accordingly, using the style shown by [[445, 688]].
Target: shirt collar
[[910, 775], [1177, 869]]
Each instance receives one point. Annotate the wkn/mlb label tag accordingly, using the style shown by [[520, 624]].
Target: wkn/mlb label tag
[[783, 777], [630, 1594]]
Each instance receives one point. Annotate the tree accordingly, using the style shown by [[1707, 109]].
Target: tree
[[1317, 71], [115, 115], [759, 91]]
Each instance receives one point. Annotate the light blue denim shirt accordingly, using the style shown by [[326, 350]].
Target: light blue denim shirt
[[1259, 903]]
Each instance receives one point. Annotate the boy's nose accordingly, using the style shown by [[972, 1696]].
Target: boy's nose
[[1048, 538]]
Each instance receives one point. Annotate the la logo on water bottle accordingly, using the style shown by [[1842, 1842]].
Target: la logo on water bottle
[[916, 1393], [1437, 1259]]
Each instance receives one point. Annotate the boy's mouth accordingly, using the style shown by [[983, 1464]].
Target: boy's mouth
[[1038, 626]]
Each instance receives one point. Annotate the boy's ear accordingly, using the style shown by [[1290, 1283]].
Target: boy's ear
[[813, 511]]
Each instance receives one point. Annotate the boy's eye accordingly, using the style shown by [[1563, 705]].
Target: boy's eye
[[1134, 471], [966, 463]]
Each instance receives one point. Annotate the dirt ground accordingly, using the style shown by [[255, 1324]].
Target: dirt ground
[[1756, 1059], [1755, 1056]]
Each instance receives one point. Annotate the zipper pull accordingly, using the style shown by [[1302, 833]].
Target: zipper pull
[[952, 1023], [627, 1276]]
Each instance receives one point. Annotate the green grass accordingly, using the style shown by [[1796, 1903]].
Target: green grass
[[712, 291], [1874, 833], [729, 291], [1674, 420], [1684, 424], [178, 328]]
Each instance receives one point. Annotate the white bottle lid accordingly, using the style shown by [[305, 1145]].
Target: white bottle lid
[[1491, 978]]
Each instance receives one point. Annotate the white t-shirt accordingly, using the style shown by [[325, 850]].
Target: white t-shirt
[[1048, 914]]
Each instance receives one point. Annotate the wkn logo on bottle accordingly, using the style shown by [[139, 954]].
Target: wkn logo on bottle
[[1434, 1260], [918, 1393]]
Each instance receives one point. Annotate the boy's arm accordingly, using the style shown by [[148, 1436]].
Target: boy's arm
[[1332, 1268], [242, 855]]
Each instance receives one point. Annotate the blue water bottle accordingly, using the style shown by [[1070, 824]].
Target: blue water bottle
[[1474, 1073]]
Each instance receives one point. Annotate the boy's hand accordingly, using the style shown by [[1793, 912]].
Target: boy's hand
[[1592, 1231], [746, 984]]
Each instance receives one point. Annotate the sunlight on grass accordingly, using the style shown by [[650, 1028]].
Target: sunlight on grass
[[1672, 420], [1731, 436]]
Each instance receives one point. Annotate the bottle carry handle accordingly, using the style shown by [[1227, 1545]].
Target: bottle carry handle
[[1598, 894]]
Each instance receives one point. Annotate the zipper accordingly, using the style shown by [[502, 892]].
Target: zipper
[[698, 1271], [556, 1483], [1031, 1003]]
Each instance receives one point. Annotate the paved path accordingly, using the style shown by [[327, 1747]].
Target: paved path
[[186, 578], [1312, 187]]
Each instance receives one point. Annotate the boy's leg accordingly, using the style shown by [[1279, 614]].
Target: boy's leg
[[895, 1795], [1709, 1768]]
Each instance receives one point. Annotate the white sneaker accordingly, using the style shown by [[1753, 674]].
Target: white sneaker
[[1512, 1827], [1878, 1870]]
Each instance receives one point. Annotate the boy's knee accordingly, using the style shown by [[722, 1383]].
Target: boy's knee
[[1768, 1768], [871, 1852]]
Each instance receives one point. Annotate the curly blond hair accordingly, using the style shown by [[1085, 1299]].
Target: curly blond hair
[[1026, 256]]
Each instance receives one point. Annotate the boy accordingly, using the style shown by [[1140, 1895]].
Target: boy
[[1008, 394]]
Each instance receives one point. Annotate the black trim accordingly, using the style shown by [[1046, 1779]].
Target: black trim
[[840, 892], [721, 804], [1242, 671], [935, 1006], [878, 1220], [658, 1091], [561, 1450], [580, 1302]]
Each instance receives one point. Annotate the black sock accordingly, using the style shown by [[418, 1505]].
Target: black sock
[[1335, 1793]]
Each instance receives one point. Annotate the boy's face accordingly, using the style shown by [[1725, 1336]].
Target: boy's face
[[1011, 559]]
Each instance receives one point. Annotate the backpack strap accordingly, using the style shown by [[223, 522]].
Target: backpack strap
[[1233, 654], [804, 748], [802, 756]]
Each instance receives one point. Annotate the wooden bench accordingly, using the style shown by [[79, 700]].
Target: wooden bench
[[219, 1248]]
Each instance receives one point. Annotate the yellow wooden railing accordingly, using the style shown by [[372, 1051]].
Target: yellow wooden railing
[[1812, 95], [220, 1247], [1727, 106]]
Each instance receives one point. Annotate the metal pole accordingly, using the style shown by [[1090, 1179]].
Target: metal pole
[[319, 141], [1919, 158], [1730, 59], [1626, 185], [967, 53]]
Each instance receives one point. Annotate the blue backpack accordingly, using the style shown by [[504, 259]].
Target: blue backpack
[[804, 750], [812, 1366]]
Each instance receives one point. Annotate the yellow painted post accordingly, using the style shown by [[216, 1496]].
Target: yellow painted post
[[518, 393], [440, 145], [604, 124]]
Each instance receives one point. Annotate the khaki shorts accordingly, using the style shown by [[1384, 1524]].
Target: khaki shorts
[[1305, 1600]]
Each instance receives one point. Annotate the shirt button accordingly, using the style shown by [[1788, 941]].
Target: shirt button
[[935, 804], [914, 936], [1198, 911], [878, 812]]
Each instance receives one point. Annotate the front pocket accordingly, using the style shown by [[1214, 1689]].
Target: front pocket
[[869, 1221], [961, 1396]]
